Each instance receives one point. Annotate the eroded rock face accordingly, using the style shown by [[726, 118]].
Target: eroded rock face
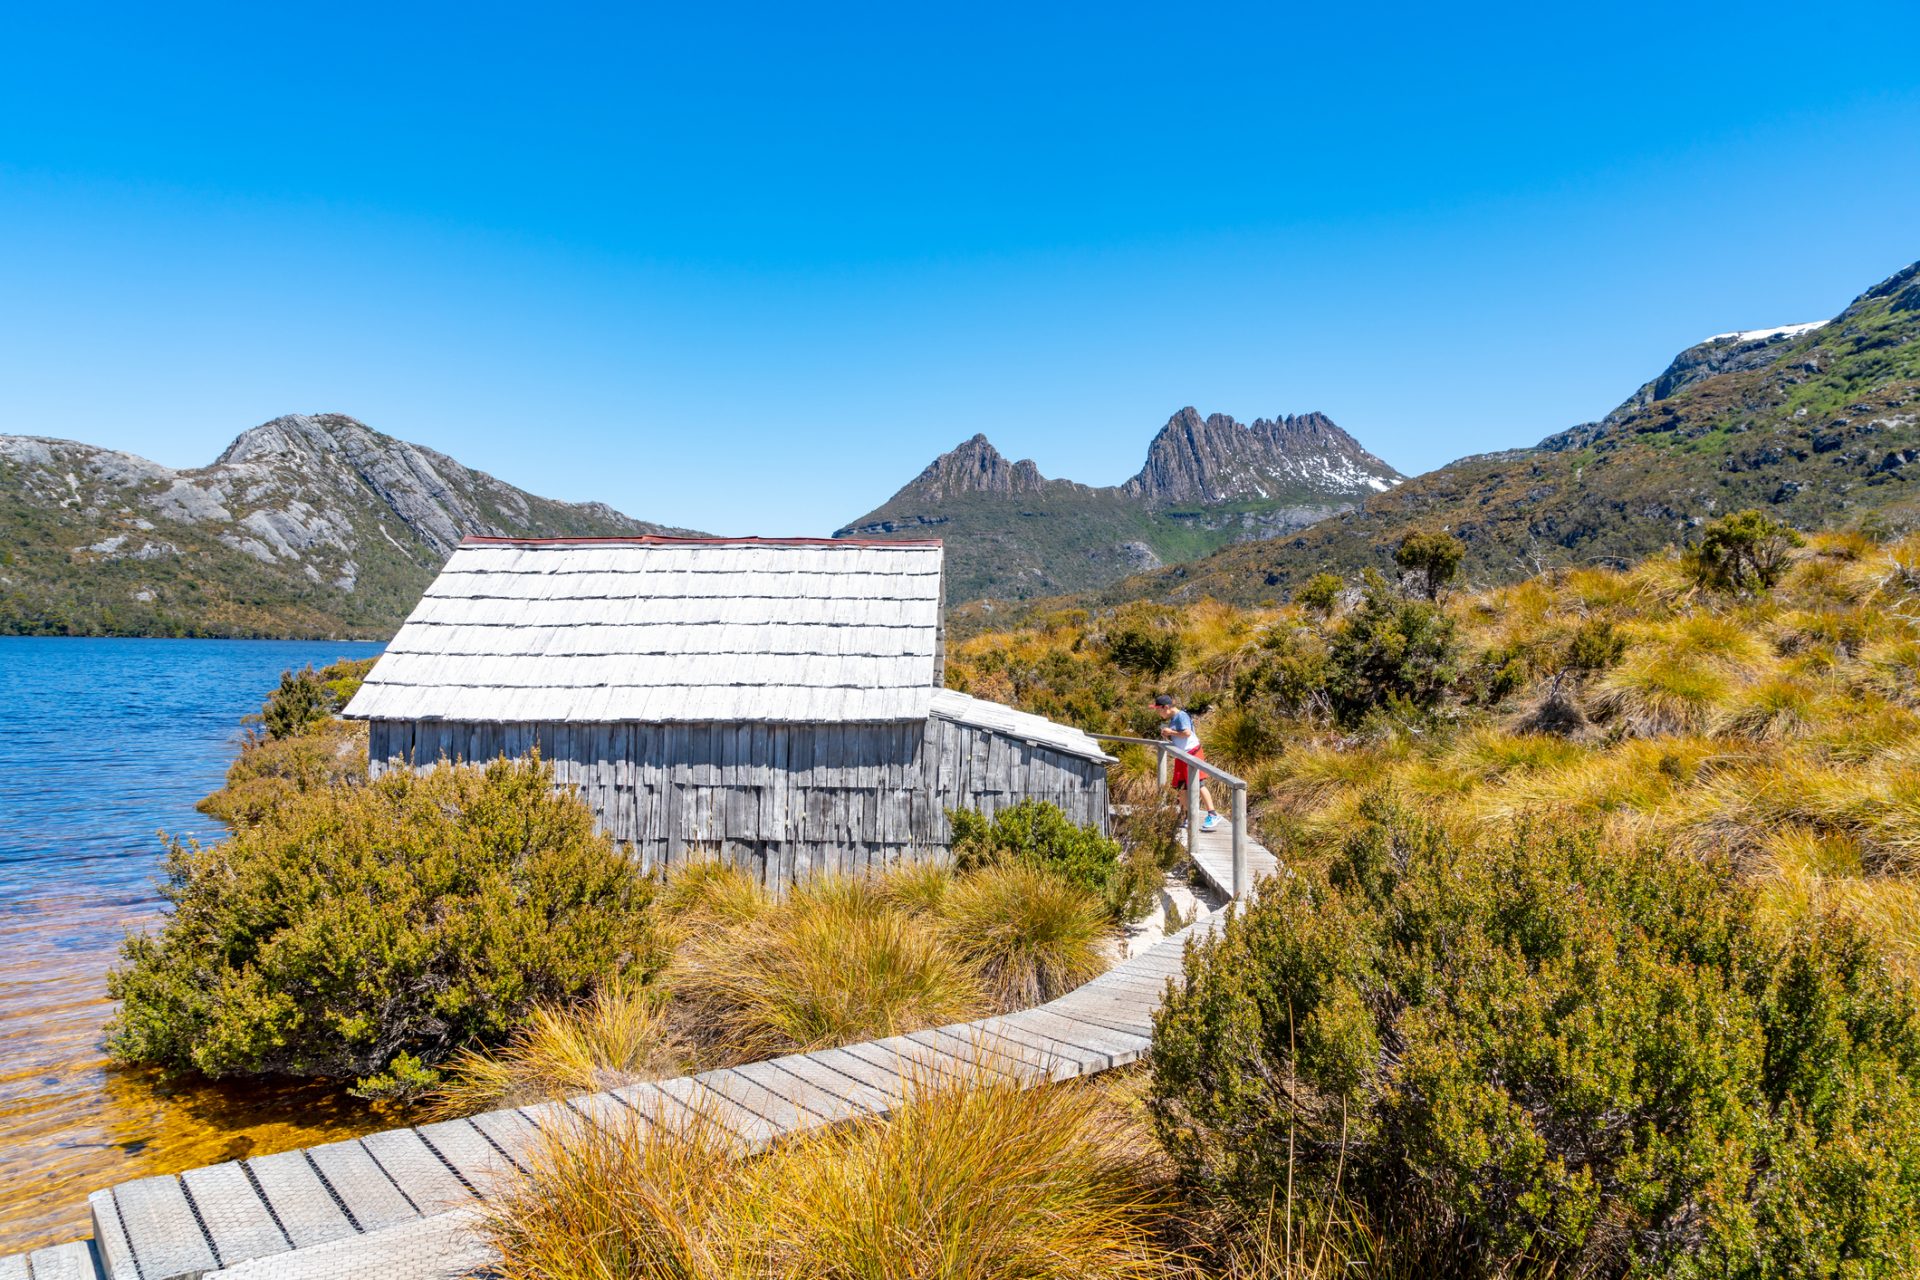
[[1217, 460], [975, 466]]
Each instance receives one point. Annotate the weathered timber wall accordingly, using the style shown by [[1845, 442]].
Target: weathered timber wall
[[780, 801]]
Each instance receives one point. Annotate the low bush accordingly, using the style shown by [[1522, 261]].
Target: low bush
[[366, 933], [1038, 833], [1028, 933], [270, 771], [1574, 1053], [983, 1181], [1746, 551]]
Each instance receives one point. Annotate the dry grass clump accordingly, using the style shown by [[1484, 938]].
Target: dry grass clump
[[1029, 934], [713, 894], [831, 964], [918, 888], [983, 1181], [1653, 693], [621, 1036]]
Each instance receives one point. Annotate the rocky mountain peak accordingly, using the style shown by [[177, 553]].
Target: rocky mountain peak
[[1216, 459], [975, 466]]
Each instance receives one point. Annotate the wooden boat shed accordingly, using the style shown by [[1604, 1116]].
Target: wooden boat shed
[[773, 702]]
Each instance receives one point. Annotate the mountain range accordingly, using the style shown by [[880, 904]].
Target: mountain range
[[320, 526], [1012, 533], [306, 526]]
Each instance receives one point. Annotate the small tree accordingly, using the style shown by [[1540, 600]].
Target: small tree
[[1435, 555], [1390, 652], [1746, 552], [1319, 593]]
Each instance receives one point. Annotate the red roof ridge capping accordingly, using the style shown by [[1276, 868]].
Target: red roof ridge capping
[[664, 540]]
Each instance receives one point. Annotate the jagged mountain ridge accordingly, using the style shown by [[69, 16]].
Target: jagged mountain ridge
[[1817, 423], [307, 525], [1206, 482]]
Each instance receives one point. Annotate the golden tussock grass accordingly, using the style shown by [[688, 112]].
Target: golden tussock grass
[[619, 1037], [1029, 935], [832, 964], [966, 1180]]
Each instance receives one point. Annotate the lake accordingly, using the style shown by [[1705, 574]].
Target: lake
[[103, 745]]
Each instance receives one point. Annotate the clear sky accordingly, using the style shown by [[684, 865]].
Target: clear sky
[[748, 270]]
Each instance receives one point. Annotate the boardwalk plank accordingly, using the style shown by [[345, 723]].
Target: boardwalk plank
[[468, 1151], [167, 1241], [509, 1130], [716, 1108], [440, 1247], [306, 1208], [782, 1112], [818, 1070], [235, 1216], [110, 1238], [369, 1194], [830, 1108], [423, 1176], [14, 1267], [72, 1261]]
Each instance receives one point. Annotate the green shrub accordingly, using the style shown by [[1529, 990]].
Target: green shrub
[[1595, 646], [366, 933], [1145, 649], [1037, 832], [268, 771], [1320, 593], [1390, 654], [307, 697], [1746, 551], [1567, 1050]]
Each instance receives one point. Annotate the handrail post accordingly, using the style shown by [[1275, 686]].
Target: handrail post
[[1193, 812], [1239, 843], [1160, 758]]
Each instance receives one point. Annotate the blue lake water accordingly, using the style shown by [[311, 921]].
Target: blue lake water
[[103, 745]]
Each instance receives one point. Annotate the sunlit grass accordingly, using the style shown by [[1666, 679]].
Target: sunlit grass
[[974, 1180]]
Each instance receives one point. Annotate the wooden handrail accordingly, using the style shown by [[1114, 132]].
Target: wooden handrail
[[1195, 765], [1207, 767]]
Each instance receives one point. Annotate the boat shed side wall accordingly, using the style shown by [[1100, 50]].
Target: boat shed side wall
[[782, 801]]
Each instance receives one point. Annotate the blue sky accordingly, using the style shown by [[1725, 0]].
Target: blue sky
[[749, 269]]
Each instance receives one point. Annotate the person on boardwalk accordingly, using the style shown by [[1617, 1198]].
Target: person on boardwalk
[[1178, 730]]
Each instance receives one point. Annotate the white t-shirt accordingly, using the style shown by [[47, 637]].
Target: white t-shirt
[[1183, 735]]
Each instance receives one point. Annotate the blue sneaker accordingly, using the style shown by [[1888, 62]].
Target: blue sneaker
[[1209, 822]]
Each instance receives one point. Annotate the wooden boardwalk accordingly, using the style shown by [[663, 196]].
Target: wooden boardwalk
[[401, 1204]]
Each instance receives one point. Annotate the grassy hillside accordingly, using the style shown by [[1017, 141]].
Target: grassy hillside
[[1779, 728], [1825, 432]]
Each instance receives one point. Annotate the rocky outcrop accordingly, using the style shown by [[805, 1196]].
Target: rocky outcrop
[[975, 466], [1217, 460]]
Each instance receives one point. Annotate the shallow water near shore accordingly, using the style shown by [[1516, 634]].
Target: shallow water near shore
[[104, 744]]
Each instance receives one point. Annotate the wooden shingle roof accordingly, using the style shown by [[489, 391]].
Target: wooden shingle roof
[[668, 629]]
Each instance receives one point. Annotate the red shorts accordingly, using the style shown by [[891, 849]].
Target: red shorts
[[1180, 769]]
